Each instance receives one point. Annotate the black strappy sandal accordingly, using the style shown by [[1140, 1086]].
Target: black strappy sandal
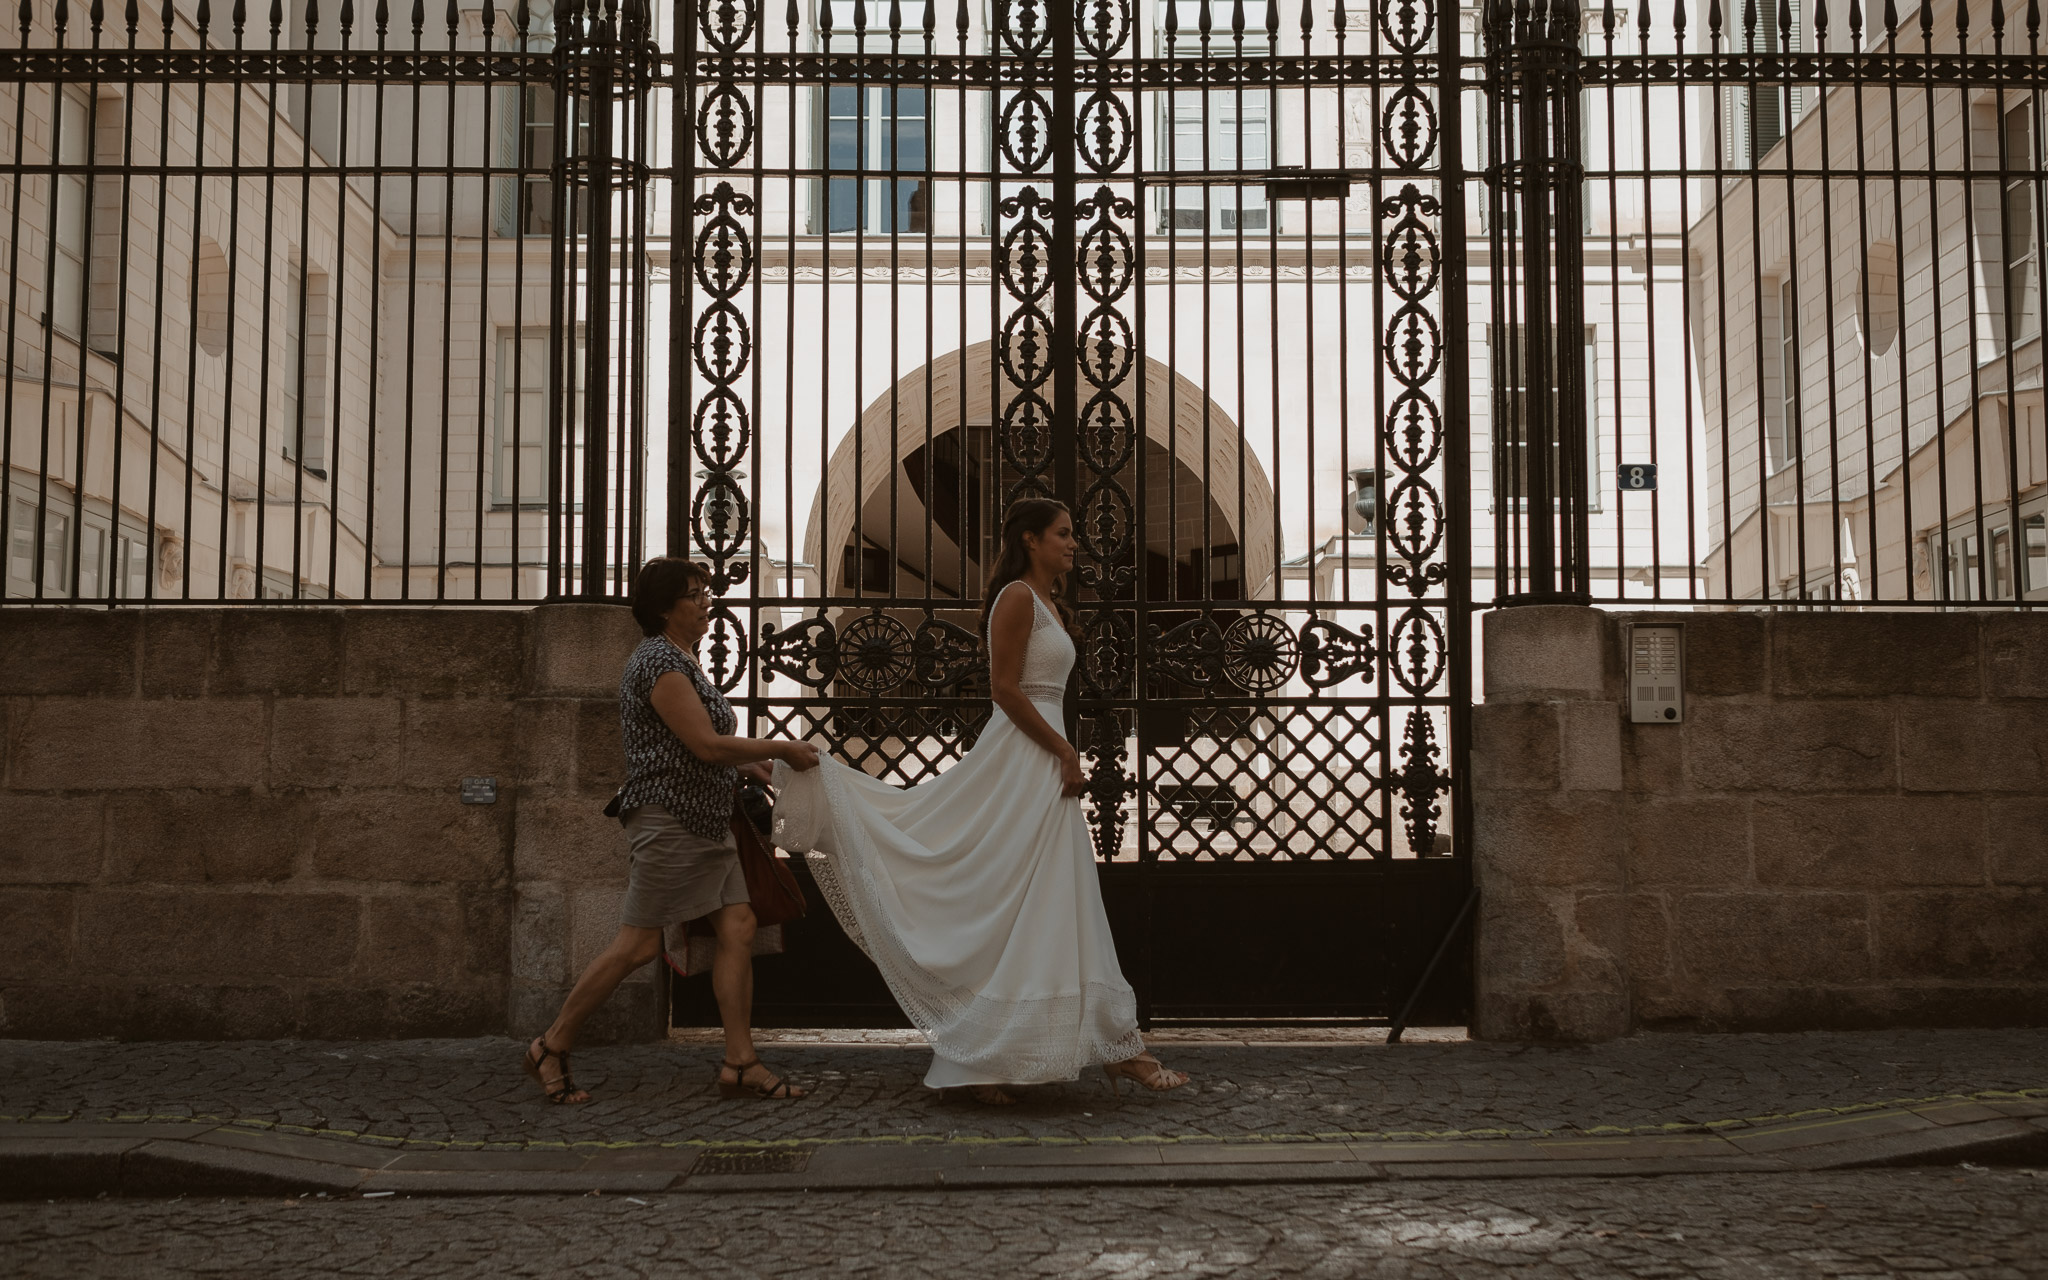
[[564, 1085], [780, 1091]]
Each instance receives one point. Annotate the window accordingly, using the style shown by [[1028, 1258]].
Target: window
[[1983, 566], [1511, 444], [72, 233], [865, 568], [1220, 132], [22, 525], [1786, 434], [315, 109], [2019, 232], [2034, 567], [868, 129], [527, 143], [521, 419], [303, 375], [1758, 117]]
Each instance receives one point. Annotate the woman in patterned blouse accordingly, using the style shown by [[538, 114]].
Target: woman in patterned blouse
[[682, 761]]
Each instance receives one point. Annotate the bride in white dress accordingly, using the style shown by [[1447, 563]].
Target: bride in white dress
[[975, 893]]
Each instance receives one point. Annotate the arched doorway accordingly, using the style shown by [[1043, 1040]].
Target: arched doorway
[[909, 503]]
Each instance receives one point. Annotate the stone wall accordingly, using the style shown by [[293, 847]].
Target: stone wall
[[248, 823], [1848, 829]]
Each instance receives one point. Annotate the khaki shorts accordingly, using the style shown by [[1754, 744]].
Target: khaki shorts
[[677, 875]]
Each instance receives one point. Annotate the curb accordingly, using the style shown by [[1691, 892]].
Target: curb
[[52, 1160]]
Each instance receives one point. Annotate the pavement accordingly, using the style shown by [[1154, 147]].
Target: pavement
[[1985, 1224], [457, 1118]]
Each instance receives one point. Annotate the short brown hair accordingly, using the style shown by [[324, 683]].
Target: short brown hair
[[660, 583]]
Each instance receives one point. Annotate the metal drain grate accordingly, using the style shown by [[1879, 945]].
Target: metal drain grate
[[751, 1160]]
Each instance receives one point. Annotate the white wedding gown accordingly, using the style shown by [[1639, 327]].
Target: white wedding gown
[[975, 894]]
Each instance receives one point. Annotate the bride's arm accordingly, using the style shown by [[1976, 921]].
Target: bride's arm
[[1009, 631]]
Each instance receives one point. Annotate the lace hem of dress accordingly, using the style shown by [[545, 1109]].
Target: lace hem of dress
[[962, 1026]]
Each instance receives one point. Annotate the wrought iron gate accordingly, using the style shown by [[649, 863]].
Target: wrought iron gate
[[1195, 268]]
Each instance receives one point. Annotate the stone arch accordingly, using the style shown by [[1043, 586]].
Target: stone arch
[[956, 395]]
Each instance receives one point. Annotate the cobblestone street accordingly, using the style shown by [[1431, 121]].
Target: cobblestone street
[[1946, 1222], [471, 1091]]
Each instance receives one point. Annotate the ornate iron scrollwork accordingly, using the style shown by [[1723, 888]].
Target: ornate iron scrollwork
[[1420, 781], [875, 653], [722, 340], [1259, 653], [1330, 654], [807, 653], [726, 645], [1190, 654], [944, 654]]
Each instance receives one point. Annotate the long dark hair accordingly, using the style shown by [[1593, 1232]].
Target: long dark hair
[[1026, 515]]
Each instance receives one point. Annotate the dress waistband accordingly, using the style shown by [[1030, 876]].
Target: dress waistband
[[1043, 692]]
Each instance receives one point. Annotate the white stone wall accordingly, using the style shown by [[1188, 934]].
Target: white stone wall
[[1900, 321]]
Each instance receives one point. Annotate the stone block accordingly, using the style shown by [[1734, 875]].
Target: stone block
[[1548, 839], [1772, 938], [478, 653], [411, 837], [51, 839], [564, 835], [1877, 842], [1515, 746], [107, 743], [1597, 943], [74, 652], [293, 652], [1689, 842], [579, 649], [211, 1011], [593, 923], [325, 743], [600, 751], [1521, 943], [225, 937], [412, 938], [486, 929], [1796, 1008], [1964, 935], [1791, 746], [63, 1009], [1726, 654], [350, 1011], [1553, 1017], [636, 1013], [178, 651], [449, 739], [544, 730], [1649, 938], [36, 935], [540, 936], [1875, 655], [1653, 758], [1974, 746], [2017, 840], [2016, 655], [1542, 653], [1591, 746], [224, 837], [1974, 1002]]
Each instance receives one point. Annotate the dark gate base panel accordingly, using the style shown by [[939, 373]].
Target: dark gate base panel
[[1201, 943]]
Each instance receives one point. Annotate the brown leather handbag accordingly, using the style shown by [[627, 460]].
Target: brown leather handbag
[[771, 885]]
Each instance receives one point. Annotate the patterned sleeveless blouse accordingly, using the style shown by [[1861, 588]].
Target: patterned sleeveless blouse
[[659, 768]]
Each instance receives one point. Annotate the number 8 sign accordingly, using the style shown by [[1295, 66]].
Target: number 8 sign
[[1636, 477]]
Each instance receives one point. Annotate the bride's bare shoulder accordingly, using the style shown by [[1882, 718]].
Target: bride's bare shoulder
[[1013, 603]]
